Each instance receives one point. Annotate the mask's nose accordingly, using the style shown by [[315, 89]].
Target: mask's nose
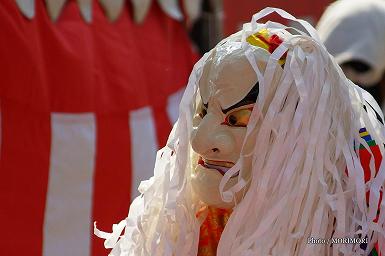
[[211, 139]]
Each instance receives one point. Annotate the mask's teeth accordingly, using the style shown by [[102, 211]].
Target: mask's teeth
[[219, 163], [219, 168], [223, 169]]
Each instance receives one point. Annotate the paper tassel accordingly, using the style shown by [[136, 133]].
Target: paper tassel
[[193, 9], [54, 8], [113, 8], [171, 8], [27, 7], [141, 8], [85, 7]]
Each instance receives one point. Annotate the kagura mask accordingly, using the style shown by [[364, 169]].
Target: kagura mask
[[228, 91]]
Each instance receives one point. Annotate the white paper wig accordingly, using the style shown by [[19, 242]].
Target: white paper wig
[[306, 181]]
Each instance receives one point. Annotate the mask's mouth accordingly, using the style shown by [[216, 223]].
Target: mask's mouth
[[221, 166]]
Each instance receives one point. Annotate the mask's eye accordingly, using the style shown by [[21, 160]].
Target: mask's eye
[[238, 117], [202, 112]]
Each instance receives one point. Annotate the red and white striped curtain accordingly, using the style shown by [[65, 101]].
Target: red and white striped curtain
[[84, 107]]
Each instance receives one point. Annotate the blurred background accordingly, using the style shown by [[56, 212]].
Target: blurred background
[[89, 90]]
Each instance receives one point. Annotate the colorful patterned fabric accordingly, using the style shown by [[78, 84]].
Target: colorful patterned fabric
[[365, 158], [366, 136], [365, 155], [211, 231], [373, 252]]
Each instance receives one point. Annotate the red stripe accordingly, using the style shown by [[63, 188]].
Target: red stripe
[[112, 182], [24, 177]]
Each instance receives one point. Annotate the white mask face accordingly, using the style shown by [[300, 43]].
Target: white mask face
[[228, 90]]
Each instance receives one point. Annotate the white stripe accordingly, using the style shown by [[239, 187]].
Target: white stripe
[[143, 147], [173, 102], [67, 222]]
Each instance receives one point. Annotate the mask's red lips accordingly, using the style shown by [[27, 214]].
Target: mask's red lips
[[221, 166]]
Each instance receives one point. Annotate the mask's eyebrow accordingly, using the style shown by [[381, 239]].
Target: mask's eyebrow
[[250, 98]]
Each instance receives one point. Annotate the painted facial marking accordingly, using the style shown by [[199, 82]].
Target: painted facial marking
[[238, 114], [239, 117], [250, 98]]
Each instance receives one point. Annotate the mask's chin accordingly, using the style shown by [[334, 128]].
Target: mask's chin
[[206, 178]]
